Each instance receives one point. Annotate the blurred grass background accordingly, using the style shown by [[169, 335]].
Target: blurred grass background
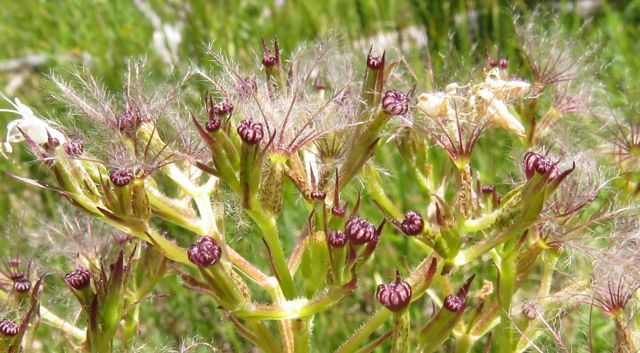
[[38, 37]]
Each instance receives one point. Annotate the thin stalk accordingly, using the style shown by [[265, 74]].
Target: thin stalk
[[267, 225], [302, 334]]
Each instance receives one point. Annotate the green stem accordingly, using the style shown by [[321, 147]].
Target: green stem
[[506, 288], [377, 193], [302, 334], [267, 225]]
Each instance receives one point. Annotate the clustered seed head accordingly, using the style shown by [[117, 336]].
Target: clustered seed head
[[394, 296], [395, 102], [250, 132], [413, 223], [537, 163], [223, 108], [359, 230], [9, 328], [213, 124], [246, 87], [374, 62], [204, 252], [318, 195], [121, 176], [78, 278], [22, 286], [74, 147], [454, 303], [337, 239]]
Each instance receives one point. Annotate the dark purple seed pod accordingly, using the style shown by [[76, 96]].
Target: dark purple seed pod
[[250, 132], [394, 296], [375, 62], [121, 176], [130, 119], [395, 102], [74, 148], [413, 223], [337, 239], [14, 262], [223, 108], [246, 87], [213, 124], [22, 286], [454, 303], [359, 230], [8, 328], [204, 252], [78, 278], [318, 195]]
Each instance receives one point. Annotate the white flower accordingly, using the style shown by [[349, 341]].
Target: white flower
[[499, 113], [34, 127], [433, 105]]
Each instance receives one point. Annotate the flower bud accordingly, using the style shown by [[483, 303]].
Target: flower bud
[[204, 252], [395, 296], [413, 223], [74, 147], [454, 303], [359, 230], [537, 163], [375, 62], [22, 285], [318, 195], [250, 132], [213, 124], [337, 239], [223, 108], [395, 103], [78, 278], [268, 58], [8, 328], [121, 176]]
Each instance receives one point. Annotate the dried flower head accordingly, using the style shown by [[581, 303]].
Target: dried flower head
[[205, 252], [396, 295]]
